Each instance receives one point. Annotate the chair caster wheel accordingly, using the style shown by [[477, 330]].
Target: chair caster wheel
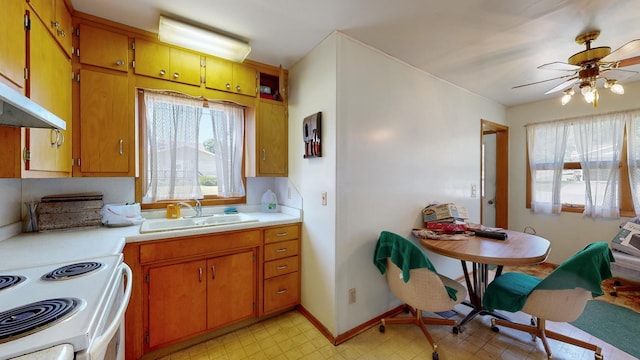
[[434, 356], [382, 329], [456, 330], [495, 329]]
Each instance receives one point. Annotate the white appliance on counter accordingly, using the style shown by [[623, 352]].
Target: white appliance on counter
[[79, 303]]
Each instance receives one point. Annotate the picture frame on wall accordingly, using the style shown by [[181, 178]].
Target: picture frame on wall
[[311, 135]]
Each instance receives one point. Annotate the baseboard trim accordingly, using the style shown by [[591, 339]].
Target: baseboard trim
[[351, 333]]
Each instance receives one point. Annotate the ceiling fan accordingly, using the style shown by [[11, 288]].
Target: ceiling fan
[[590, 65]]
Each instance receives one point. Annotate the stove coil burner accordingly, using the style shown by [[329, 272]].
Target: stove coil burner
[[7, 281], [28, 319], [69, 271]]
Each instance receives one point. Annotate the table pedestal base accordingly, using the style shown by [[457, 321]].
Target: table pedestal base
[[476, 288]]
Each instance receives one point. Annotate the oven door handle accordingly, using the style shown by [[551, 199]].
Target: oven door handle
[[103, 340]]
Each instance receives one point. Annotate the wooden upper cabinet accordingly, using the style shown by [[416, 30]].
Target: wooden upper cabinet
[[164, 62], [103, 48], [13, 43], [230, 76], [105, 134], [56, 17], [50, 86], [272, 150]]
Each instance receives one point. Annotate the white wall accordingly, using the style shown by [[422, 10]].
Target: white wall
[[312, 88], [568, 232], [399, 139]]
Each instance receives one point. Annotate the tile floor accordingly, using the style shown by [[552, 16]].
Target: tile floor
[[291, 336]]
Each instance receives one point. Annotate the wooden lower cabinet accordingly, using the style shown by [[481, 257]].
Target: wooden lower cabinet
[[281, 276], [189, 286], [177, 302], [186, 299]]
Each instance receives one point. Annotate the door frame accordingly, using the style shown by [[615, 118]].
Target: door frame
[[502, 170]]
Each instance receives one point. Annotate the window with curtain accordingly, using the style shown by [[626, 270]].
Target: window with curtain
[[193, 148], [581, 165]]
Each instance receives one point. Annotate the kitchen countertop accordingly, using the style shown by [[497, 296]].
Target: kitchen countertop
[[50, 247]]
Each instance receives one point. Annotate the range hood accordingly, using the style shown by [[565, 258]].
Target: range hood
[[20, 111]]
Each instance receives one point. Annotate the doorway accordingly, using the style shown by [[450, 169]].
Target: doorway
[[494, 171]]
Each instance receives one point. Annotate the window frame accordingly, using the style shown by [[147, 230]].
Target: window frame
[[626, 202], [140, 180]]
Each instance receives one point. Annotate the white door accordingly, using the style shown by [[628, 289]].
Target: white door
[[488, 186]]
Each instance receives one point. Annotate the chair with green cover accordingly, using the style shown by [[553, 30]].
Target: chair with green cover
[[560, 297], [414, 280]]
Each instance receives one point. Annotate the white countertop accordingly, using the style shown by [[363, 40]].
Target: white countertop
[[50, 247]]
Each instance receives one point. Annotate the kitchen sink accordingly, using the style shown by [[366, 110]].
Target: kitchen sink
[[154, 225]]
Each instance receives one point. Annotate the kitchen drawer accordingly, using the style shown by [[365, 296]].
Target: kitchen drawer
[[281, 250], [281, 234], [281, 292], [280, 267], [198, 245]]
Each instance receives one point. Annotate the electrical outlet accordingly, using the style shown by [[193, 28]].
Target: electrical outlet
[[352, 295], [474, 192], [324, 198]]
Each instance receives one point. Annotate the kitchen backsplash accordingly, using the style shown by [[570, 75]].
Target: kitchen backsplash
[[15, 192]]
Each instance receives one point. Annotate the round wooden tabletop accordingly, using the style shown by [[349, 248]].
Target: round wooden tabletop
[[518, 249]]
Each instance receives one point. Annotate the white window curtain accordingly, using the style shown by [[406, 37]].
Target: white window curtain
[[599, 143], [228, 138], [546, 143], [633, 157], [172, 125]]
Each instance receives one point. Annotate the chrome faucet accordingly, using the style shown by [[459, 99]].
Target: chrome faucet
[[197, 210], [198, 207]]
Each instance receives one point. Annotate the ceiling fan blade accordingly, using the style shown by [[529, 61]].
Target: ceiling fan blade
[[617, 74], [563, 86], [544, 81], [623, 53], [557, 65], [629, 61]]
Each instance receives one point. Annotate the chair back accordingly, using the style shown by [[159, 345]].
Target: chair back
[[424, 290], [563, 294]]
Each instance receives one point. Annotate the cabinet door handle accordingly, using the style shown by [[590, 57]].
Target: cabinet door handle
[[264, 154], [162, 72], [60, 141], [61, 33], [200, 274], [228, 86], [54, 140], [121, 142], [119, 62], [213, 271], [282, 250], [279, 292], [176, 75], [283, 233], [237, 87], [282, 267]]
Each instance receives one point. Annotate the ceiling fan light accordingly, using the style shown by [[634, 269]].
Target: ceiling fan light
[[565, 99], [586, 89], [617, 89], [589, 97]]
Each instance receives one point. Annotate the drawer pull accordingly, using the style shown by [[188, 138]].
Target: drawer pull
[[200, 271], [282, 267], [282, 291], [213, 271], [282, 250], [283, 233]]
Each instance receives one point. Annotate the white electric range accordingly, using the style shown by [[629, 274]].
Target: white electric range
[[88, 309]]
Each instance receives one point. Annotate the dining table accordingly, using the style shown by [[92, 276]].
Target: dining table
[[483, 254]]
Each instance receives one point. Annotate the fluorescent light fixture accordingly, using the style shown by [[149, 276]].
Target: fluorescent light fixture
[[202, 40]]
